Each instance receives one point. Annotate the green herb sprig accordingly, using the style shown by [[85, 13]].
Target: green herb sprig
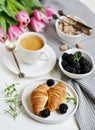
[[77, 57], [14, 105], [69, 98]]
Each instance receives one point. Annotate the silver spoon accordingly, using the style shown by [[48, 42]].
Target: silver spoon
[[10, 46]]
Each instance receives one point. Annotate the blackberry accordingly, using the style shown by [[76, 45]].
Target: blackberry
[[85, 65], [79, 71], [77, 65], [64, 56], [70, 58], [50, 82], [45, 113], [63, 108], [70, 69], [86, 69], [64, 63], [83, 61]]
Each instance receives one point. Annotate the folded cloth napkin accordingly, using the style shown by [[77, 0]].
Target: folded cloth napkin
[[85, 88]]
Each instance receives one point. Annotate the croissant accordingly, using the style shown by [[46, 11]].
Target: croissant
[[38, 98], [56, 95]]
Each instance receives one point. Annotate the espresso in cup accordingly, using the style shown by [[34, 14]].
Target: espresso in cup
[[31, 47], [32, 43]]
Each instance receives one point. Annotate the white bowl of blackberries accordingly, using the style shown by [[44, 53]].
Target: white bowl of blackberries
[[76, 63]]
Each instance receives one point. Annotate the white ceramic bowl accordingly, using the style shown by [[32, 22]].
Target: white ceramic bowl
[[86, 55], [70, 39]]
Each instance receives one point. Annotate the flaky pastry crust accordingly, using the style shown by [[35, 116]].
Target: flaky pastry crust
[[56, 95], [39, 98]]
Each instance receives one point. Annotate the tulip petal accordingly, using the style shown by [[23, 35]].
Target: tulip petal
[[14, 32], [36, 14], [37, 25], [34, 25], [23, 18], [49, 11], [39, 15], [23, 29]]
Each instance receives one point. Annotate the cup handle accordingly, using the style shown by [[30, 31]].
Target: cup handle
[[44, 56]]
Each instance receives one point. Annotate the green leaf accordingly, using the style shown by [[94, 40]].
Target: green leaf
[[9, 10], [77, 57], [11, 21], [8, 111], [13, 6], [31, 5], [10, 86], [9, 101], [2, 2], [10, 90], [12, 100], [12, 108], [71, 99], [3, 23], [35, 3], [18, 5], [1, 9]]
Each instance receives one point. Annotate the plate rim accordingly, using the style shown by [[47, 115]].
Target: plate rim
[[44, 120], [35, 75]]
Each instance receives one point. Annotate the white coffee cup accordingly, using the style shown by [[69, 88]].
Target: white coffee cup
[[32, 47]]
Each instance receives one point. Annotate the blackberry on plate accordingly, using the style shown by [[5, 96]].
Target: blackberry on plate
[[50, 82], [45, 113], [63, 108]]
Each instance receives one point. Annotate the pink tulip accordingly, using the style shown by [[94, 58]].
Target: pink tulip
[[14, 32], [49, 11], [23, 18], [38, 26], [2, 37], [23, 29], [39, 15]]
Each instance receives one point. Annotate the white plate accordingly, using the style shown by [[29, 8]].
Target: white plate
[[31, 70], [54, 116]]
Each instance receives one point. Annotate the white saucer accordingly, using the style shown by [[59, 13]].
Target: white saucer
[[54, 117], [31, 70]]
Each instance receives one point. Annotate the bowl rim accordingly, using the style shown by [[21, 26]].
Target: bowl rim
[[65, 34], [76, 76]]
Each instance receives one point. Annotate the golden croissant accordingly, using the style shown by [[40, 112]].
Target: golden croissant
[[56, 95], [39, 98]]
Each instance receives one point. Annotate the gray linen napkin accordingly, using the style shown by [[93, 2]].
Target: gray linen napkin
[[85, 88]]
